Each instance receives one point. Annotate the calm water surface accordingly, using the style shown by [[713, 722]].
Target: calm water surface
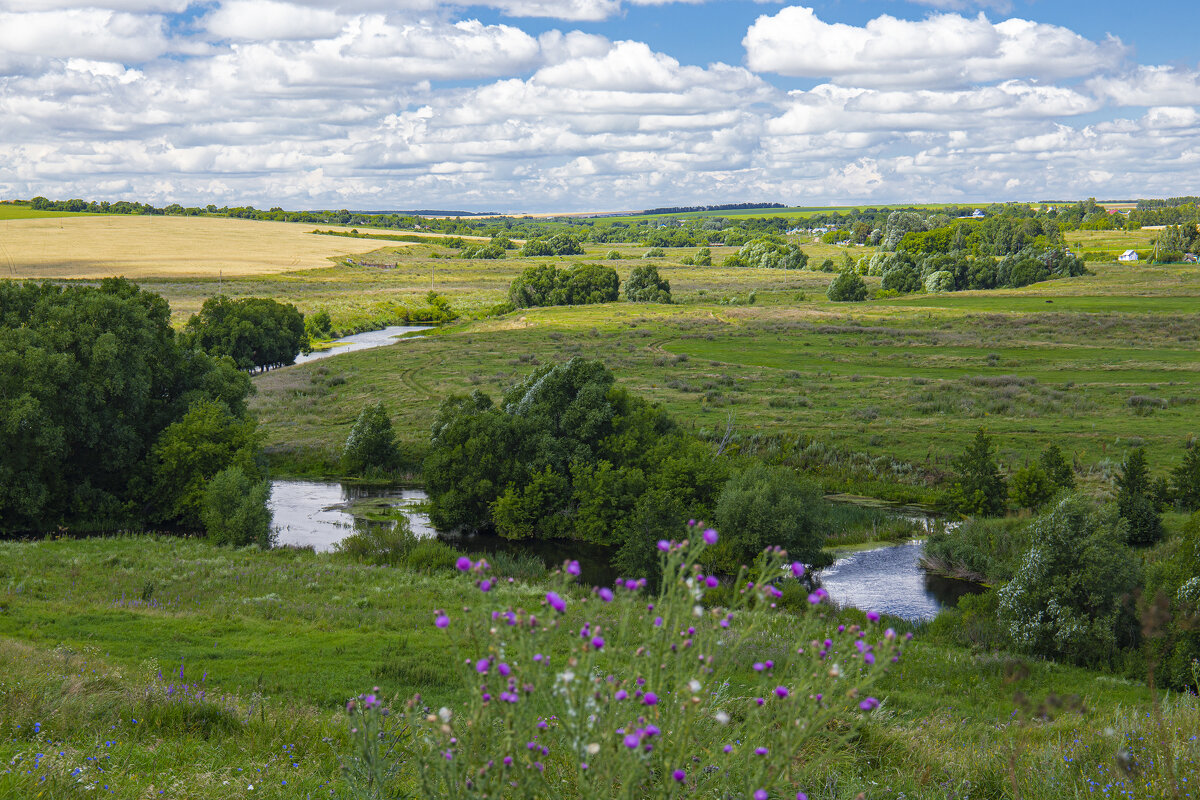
[[363, 341], [886, 579]]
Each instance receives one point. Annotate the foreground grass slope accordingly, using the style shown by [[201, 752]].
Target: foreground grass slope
[[283, 638]]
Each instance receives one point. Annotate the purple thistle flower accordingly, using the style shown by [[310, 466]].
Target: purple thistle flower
[[441, 621], [797, 569], [801, 796], [508, 761], [760, 794], [869, 704], [759, 666], [482, 666], [573, 568], [503, 669], [650, 699], [485, 585], [781, 692], [710, 536], [463, 564], [556, 602], [817, 596], [761, 751], [632, 740], [664, 545], [873, 616], [711, 582], [597, 642], [605, 594], [658, 622], [727, 748], [679, 775], [868, 658], [621, 694]]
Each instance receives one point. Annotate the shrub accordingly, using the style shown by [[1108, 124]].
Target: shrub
[[1174, 582], [613, 255], [1031, 487], [629, 704], [371, 445], [645, 286], [655, 252], [847, 287], [941, 281], [765, 505], [1060, 472], [431, 555], [234, 509], [1069, 599], [483, 251], [703, 257], [378, 543]]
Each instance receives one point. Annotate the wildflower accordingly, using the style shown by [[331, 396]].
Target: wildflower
[[694, 685], [760, 794], [873, 616], [597, 642], [463, 564], [721, 717], [817, 596], [869, 704], [503, 669], [621, 694], [679, 775], [761, 751], [759, 666], [710, 536], [444, 714], [605, 594], [664, 545], [801, 796], [632, 740], [650, 699], [482, 666], [485, 585], [556, 602], [658, 622], [781, 692], [441, 621], [711, 582], [573, 568], [797, 569]]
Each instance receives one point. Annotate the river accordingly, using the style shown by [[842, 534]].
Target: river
[[363, 341], [886, 579]]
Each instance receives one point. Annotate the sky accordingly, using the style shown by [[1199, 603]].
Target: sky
[[596, 105]]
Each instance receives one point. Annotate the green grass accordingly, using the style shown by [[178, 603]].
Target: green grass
[[286, 636], [11, 211]]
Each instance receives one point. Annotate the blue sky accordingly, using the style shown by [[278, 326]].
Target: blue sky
[[541, 105]]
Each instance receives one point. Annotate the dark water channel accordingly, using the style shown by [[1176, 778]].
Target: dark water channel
[[885, 579]]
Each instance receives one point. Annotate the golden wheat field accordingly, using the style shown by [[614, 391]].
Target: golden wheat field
[[142, 247]]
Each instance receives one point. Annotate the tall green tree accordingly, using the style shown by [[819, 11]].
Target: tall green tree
[[979, 488], [1134, 500], [1185, 480], [1057, 468], [371, 445]]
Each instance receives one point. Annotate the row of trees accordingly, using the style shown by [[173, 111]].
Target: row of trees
[[583, 284]]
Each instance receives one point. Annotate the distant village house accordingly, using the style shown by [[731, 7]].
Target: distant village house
[[1130, 256]]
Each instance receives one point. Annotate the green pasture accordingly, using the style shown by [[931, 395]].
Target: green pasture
[[94, 635], [11, 211]]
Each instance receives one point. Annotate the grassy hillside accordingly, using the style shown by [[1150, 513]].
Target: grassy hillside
[[279, 640]]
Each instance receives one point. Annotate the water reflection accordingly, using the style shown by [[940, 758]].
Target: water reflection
[[318, 514], [890, 580], [363, 341]]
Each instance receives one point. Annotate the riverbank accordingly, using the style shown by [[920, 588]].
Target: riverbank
[[285, 637]]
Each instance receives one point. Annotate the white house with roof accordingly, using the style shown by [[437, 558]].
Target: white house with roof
[[1129, 256]]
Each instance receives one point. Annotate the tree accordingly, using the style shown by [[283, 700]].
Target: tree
[[763, 506], [901, 278], [1185, 480], [703, 257], [1031, 487], [645, 286], [1175, 582], [979, 488], [371, 445], [847, 287], [207, 439], [585, 284], [90, 376], [235, 511], [1069, 599], [534, 286], [1057, 468], [256, 332], [1134, 503]]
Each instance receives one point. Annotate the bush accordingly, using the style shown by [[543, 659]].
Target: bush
[[980, 549], [431, 555], [771, 253], [483, 251], [378, 543], [234, 509], [1174, 582], [1031, 487], [613, 255], [703, 257], [847, 287], [645, 286], [546, 285], [371, 445], [941, 281], [761, 506], [655, 252], [1070, 598]]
